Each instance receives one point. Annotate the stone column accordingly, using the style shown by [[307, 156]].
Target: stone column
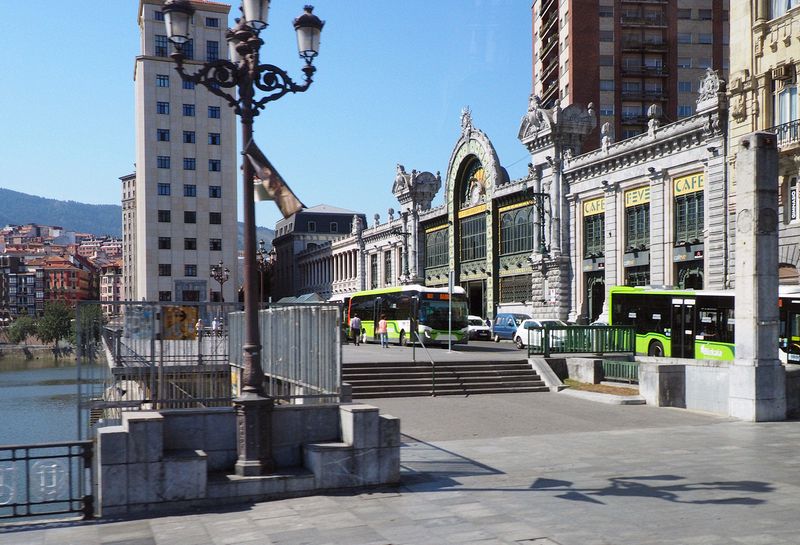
[[660, 260], [757, 390]]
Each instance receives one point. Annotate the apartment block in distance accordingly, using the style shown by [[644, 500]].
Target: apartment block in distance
[[179, 209], [625, 55]]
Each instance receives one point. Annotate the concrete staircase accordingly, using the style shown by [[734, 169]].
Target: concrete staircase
[[408, 379]]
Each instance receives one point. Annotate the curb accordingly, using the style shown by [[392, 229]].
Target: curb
[[604, 398]]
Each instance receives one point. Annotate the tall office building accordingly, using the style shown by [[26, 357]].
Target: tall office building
[[179, 210], [625, 55]]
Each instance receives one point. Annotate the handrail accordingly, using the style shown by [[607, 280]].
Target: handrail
[[433, 364]]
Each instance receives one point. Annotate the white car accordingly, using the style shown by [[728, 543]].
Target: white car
[[527, 330], [478, 330]]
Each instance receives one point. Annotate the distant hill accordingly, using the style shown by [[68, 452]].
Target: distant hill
[[99, 219], [20, 208]]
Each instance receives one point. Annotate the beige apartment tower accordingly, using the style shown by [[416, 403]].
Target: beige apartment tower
[[626, 55], [179, 208]]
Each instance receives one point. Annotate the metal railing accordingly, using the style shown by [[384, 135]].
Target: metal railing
[[46, 479], [621, 370], [787, 133], [430, 358], [575, 339], [301, 350]]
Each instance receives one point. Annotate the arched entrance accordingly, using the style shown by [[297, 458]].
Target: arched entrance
[[690, 276]]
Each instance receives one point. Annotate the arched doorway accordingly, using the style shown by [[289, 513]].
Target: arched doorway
[[595, 294]]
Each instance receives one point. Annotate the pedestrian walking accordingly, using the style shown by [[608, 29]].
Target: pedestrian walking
[[383, 332], [198, 327], [355, 328], [214, 326]]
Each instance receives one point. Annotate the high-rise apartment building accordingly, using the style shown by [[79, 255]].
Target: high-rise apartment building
[[179, 210], [625, 55]]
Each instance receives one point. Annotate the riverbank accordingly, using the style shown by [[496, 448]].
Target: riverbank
[[34, 356]]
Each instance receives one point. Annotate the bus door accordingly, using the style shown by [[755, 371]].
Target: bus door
[[790, 329], [377, 310], [682, 334]]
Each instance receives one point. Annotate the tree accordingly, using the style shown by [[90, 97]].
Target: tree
[[54, 324], [21, 328], [90, 322]]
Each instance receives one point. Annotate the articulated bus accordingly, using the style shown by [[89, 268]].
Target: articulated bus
[[430, 306], [696, 324]]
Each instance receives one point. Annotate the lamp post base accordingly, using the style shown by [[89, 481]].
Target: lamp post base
[[254, 430]]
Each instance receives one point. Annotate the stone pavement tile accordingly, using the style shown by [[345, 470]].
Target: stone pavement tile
[[240, 535], [277, 524], [297, 537], [27, 537], [405, 534], [355, 535]]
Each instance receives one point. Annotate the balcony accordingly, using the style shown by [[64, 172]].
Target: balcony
[[644, 70], [658, 21], [645, 45], [634, 119], [787, 133]]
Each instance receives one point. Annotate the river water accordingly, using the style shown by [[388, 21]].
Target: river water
[[38, 401]]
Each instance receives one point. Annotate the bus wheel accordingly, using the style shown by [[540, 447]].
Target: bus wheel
[[656, 349], [519, 344], [403, 341], [496, 338]]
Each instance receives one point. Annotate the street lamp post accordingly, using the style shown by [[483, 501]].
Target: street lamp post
[[235, 81], [405, 277], [221, 274], [262, 263]]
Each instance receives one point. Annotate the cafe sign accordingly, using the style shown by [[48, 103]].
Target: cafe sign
[[689, 184], [594, 206], [635, 197]]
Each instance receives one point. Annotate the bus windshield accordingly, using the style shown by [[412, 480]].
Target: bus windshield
[[434, 313]]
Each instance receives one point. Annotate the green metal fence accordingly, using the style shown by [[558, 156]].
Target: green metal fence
[[575, 339], [621, 370]]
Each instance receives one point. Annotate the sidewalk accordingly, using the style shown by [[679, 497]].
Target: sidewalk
[[532, 469]]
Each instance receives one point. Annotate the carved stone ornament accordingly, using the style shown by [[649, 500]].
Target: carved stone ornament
[[606, 140], [535, 118], [466, 120], [738, 108], [710, 85]]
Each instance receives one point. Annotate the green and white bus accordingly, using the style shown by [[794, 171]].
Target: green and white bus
[[430, 305], [697, 324]]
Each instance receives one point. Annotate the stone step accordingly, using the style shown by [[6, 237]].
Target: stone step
[[446, 380], [421, 393], [349, 377]]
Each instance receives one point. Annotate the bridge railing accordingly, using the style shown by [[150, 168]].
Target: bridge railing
[[575, 339]]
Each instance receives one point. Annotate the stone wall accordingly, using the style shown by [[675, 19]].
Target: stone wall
[[180, 459]]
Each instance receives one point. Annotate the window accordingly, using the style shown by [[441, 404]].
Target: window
[[212, 22], [188, 110], [705, 14], [215, 244], [606, 60], [684, 14], [164, 269], [606, 35], [593, 239], [689, 218], [684, 37], [606, 84], [188, 137], [162, 46], [213, 139], [189, 216], [215, 191], [780, 7], [334, 227], [684, 110], [164, 243], [637, 227], [190, 244], [189, 190], [213, 112], [704, 38], [373, 271], [704, 63], [436, 248], [164, 189], [162, 108], [158, 15], [605, 11], [189, 163], [637, 276], [514, 289], [215, 218], [473, 237], [164, 216], [630, 133], [188, 85], [188, 52], [162, 161], [516, 230], [190, 270], [212, 50], [785, 105], [685, 86], [684, 62], [165, 296], [162, 81], [312, 226], [387, 268], [214, 165], [606, 110], [162, 135]]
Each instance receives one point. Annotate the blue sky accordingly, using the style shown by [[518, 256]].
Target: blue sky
[[392, 78]]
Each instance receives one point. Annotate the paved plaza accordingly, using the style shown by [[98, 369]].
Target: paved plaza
[[532, 469]]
